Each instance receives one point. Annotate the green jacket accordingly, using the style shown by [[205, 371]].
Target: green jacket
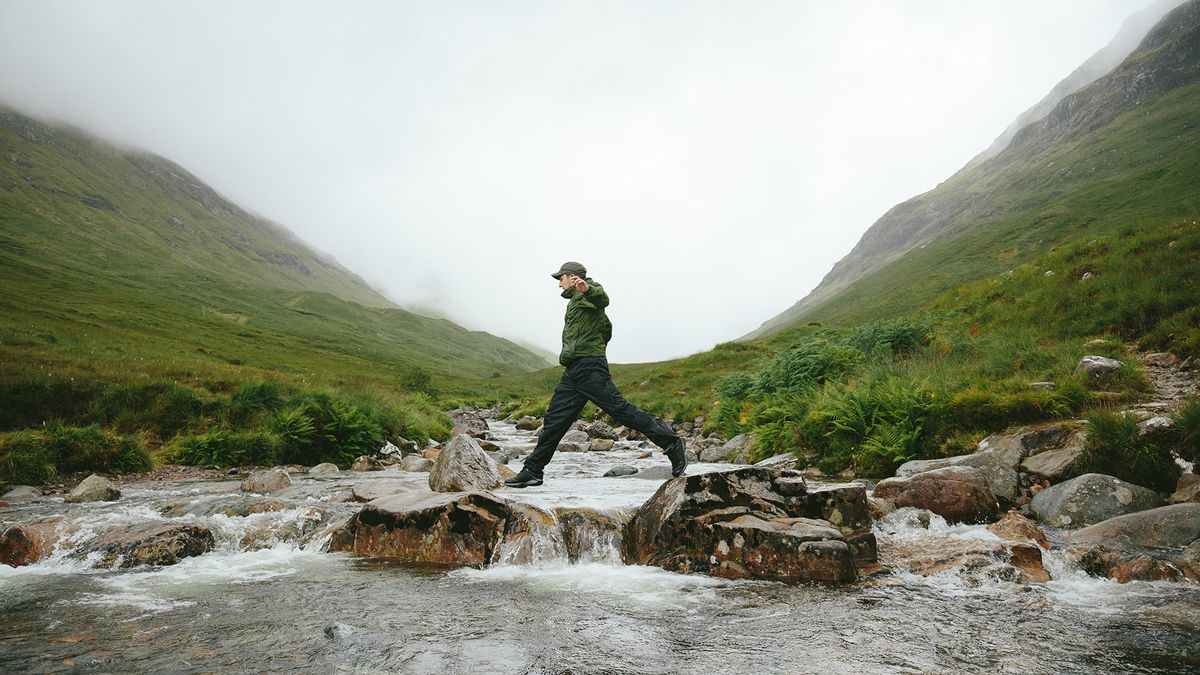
[[586, 329]]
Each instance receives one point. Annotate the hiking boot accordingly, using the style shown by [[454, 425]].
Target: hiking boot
[[524, 479], [678, 456]]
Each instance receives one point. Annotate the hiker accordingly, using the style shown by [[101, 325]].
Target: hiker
[[585, 336]]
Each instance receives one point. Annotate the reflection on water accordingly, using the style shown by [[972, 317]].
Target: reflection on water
[[283, 605]]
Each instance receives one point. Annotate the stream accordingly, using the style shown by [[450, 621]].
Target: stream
[[267, 598]]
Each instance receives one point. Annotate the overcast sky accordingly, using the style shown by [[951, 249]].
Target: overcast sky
[[707, 161]]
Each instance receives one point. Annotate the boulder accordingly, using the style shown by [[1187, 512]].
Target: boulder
[[94, 488], [845, 507], [622, 470], [1089, 499], [27, 543], [601, 429], [463, 466], [528, 423], [998, 470], [150, 544], [570, 447], [416, 464], [1016, 527], [438, 529], [576, 437], [938, 552], [783, 461], [601, 445], [365, 463], [1186, 490], [1098, 367], [712, 454], [324, 467], [1144, 568], [1167, 527], [1154, 425], [270, 480], [21, 493], [754, 522], [960, 494]]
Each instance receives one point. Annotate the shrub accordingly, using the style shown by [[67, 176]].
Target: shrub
[[161, 406], [1185, 429], [222, 447], [37, 456], [1116, 447], [810, 362], [896, 338], [252, 399], [24, 458]]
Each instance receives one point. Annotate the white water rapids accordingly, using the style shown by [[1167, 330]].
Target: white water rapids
[[267, 598]]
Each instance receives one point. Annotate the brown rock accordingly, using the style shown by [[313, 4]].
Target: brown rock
[[1144, 568], [1028, 559], [748, 523], [94, 488], [1167, 527], [151, 544], [1187, 489], [960, 494], [27, 543], [505, 472], [365, 463], [432, 453], [271, 480], [1016, 527]]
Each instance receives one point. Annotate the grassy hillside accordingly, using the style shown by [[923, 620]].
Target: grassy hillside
[[127, 279], [1123, 150]]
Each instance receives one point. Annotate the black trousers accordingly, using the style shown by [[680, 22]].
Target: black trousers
[[588, 379]]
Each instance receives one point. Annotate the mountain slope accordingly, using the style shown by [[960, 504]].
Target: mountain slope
[[111, 257], [1122, 149]]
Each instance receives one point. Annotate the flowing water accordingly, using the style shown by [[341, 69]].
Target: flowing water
[[268, 599]]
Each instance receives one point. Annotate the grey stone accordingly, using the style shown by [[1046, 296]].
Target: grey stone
[[601, 429], [270, 480], [1154, 425], [416, 464], [1041, 385], [324, 467], [618, 471], [463, 466], [1098, 367], [997, 468], [600, 445], [94, 488], [782, 461], [528, 423], [576, 437], [1167, 527], [365, 463], [1090, 499], [20, 493]]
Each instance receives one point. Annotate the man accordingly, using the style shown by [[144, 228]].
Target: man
[[586, 332]]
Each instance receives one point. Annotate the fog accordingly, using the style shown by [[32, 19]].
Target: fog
[[707, 161]]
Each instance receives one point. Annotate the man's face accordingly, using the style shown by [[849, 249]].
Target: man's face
[[565, 281]]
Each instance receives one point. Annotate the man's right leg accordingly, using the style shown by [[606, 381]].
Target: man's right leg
[[564, 409]]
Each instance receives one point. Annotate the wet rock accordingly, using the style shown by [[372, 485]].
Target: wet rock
[[151, 544], [747, 523], [600, 445], [505, 472], [998, 470], [1189, 560], [601, 429], [337, 631], [1098, 367], [371, 490], [869, 485], [21, 493], [935, 552], [365, 463], [244, 507], [1145, 568], [1168, 527], [843, 506], [784, 461], [1058, 461], [1094, 559], [1089, 499], [94, 488], [570, 447], [622, 470], [528, 423], [1186, 490], [1016, 527], [27, 543], [440, 528], [591, 536], [879, 507], [268, 481], [463, 466], [656, 472], [960, 494], [324, 467]]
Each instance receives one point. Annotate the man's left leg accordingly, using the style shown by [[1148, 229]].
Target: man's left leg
[[596, 384]]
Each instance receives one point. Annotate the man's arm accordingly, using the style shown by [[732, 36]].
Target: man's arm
[[593, 293]]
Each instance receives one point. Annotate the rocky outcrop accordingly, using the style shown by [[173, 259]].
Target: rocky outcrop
[[1058, 454], [960, 494], [150, 544], [784, 461], [94, 488], [266, 482], [463, 466], [845, 507], [27, 543], [324, 467], [365, 463], [1090, 499], [748, 523], [1168, 527], [998, 470]]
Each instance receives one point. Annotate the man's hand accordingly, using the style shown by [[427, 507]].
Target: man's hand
[[578, 284]]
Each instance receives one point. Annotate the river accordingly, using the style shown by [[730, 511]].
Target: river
[[268, 599]]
